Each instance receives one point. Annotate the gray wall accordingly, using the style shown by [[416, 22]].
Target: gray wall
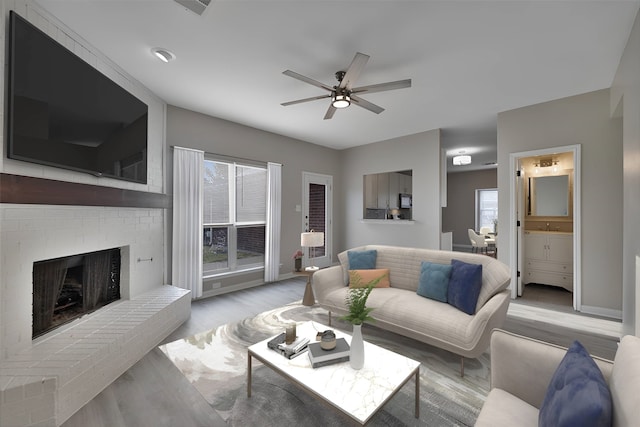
[[460, 213], [193, 130], [625, 101], [419, 152], [585, 120]]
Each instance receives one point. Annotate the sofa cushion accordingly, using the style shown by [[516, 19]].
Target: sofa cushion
[[362, 278], [434, 281], [578, 394], [464, 285], [362, 260], [624, 381]]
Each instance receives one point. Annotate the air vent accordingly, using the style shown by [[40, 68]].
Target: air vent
[[196, 6]]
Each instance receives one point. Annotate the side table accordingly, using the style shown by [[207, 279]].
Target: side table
[[308, 299]]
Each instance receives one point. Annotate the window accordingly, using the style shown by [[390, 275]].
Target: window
[[234, 217], [486, 208]]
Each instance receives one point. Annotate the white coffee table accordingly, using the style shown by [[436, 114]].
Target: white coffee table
[[357, 393]]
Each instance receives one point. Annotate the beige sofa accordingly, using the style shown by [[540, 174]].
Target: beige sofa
[[521, 369], [401, 310]]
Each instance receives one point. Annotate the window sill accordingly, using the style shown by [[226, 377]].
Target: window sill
[[232, 273]]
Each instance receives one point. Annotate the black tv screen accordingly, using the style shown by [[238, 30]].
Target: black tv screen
[[63, 112]]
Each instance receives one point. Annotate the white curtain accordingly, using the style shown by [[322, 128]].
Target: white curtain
[[274, 201], [188, 177]]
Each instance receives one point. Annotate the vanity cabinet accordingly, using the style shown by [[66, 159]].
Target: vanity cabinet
[[548, 258]]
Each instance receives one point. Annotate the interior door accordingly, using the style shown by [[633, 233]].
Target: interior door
[[520, 228], [317, 216]]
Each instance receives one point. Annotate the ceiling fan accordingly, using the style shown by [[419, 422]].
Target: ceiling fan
[[343, 94]]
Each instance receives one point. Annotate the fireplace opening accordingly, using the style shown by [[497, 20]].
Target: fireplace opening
[[66, 288]]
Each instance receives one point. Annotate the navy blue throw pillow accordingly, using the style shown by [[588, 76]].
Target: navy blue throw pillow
[[464, 285], [578, 395], [362, 260], [434, 280]]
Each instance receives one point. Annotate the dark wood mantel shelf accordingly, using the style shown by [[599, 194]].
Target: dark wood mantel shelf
[[30, 190]]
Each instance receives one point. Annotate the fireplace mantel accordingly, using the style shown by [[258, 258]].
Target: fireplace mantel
[[42, 191]]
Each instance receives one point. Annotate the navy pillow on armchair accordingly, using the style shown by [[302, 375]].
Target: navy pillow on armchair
[[464, 285], [578, 395]]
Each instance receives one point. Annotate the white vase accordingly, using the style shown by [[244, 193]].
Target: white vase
[[356, 355]]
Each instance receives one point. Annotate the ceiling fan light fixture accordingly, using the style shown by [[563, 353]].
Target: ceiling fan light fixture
[[163, 54], [341, 100], [462, 160]]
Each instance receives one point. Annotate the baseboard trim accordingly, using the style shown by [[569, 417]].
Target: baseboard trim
[[604, 312], [231, 288]]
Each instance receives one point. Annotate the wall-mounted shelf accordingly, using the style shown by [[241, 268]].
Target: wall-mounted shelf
[[388, 221]]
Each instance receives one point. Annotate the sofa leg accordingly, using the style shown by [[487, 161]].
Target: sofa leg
[[461, 366], [329, 318]]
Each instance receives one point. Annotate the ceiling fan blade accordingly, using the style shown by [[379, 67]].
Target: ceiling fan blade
[[380, 87], [330, 112], [354, 70], [300, 101], [366, 104], [306, 80]]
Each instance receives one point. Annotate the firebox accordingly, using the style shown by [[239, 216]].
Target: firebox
[[66, 288]]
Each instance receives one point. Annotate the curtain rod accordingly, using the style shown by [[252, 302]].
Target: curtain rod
[[226, 157]]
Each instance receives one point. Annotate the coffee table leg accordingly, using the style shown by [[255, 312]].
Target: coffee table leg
[[248, 374], [418, 393]]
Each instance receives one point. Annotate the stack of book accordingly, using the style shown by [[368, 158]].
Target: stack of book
[[294, 349], [320, 357]]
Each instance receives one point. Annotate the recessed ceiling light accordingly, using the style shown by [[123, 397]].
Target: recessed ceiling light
[[162, 54]]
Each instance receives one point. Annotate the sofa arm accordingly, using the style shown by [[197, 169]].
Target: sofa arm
[[491, 316], [524, 366], [326, 280]]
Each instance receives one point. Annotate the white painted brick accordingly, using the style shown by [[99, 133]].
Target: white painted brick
[[13, 393]]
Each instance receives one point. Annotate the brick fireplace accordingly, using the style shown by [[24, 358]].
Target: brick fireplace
[[50, 213]]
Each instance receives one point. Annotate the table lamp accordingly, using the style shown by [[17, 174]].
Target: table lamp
[[312, 240]]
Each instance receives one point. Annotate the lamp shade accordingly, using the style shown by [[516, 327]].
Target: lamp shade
[[311, 239]]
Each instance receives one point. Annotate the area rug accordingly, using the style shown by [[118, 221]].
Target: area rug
[[215, 362]]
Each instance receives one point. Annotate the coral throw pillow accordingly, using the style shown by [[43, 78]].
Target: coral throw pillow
[[362, 278]]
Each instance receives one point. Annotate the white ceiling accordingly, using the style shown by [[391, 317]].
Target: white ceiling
[[468, 60]]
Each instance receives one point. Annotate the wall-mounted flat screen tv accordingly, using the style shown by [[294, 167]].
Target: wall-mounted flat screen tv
[[63, 112]]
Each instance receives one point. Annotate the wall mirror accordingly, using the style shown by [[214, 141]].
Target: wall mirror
[[388, 195], [548, 196]]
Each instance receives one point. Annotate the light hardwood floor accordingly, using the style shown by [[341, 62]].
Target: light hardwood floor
[[154, 392]]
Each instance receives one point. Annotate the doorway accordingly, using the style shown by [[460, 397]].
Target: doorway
[[546, 244], [317, 214]]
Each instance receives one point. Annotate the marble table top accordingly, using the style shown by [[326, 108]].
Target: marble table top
[[357, 393]]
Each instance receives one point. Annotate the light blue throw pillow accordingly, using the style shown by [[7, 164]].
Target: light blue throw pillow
[[362, 260], [464, 285], [434, 280], [578, 394]]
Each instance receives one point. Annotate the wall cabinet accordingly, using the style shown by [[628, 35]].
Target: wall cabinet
[[383, 192], [548, 259], [371, 191]]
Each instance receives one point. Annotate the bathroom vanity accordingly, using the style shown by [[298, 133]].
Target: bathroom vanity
[[548, 258]]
